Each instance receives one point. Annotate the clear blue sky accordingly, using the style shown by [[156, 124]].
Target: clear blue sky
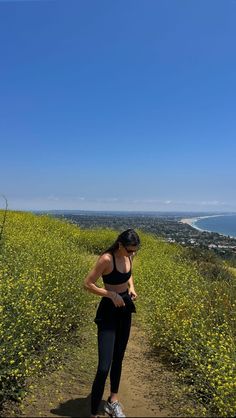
[[118, 105]]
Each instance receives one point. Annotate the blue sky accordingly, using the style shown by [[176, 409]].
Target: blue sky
[[118, 105]]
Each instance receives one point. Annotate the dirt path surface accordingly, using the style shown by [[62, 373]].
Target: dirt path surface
[[147, 387]]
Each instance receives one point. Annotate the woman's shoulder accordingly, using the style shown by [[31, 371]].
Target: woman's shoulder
[[105, 257], [105, 261]]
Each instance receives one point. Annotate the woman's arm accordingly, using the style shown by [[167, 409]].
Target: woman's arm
[[131, 283], [89, 282], [131, 288], [93, 276]]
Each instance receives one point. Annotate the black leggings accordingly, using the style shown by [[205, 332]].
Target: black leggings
[[112, 342]]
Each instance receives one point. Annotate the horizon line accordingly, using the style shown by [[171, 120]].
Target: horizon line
[[122, 211]]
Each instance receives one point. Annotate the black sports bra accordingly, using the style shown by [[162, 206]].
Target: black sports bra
[[116, 277]]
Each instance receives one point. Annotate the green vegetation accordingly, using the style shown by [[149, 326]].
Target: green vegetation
[[194, 319], [43, 262], [161, 225], [208, 264], [41, 297]]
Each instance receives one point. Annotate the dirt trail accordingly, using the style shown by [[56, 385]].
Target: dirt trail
[[146, 388]]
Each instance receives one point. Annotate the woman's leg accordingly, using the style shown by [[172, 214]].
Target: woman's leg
[[121, 340], [106, 340]]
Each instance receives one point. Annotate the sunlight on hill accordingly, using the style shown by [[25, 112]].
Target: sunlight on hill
[[43, 263]]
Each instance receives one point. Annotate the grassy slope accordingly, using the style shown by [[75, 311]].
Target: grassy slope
[[42, 266]]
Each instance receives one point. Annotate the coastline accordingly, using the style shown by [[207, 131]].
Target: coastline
[[192, 221]]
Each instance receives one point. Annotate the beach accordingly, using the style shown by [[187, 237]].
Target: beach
[[192, 221]]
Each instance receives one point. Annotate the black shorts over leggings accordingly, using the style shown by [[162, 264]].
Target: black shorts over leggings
[[113, 334]]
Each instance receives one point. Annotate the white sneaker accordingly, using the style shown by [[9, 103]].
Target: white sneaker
[[114, 409]]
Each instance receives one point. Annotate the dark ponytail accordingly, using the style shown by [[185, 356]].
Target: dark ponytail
[[127, 237]]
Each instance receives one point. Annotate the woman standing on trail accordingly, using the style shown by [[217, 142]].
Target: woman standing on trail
[[113, 317]]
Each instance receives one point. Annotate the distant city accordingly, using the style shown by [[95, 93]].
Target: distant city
[[168, 226]]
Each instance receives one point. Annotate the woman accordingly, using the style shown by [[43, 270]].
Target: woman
[[113, 317]]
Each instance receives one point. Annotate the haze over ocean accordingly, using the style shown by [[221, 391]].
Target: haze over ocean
[[125, 105]]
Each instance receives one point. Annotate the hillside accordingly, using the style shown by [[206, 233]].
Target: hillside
[[43, 262]]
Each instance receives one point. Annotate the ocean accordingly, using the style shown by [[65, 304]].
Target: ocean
[[225, 224]]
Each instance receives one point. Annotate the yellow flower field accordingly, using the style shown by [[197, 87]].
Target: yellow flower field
[[43, 262], [41, 297]]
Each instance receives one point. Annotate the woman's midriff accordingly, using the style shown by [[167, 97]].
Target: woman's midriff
[[119, 288]]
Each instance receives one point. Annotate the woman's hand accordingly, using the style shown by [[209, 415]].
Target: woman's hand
[[117, 299], [133, 294]]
